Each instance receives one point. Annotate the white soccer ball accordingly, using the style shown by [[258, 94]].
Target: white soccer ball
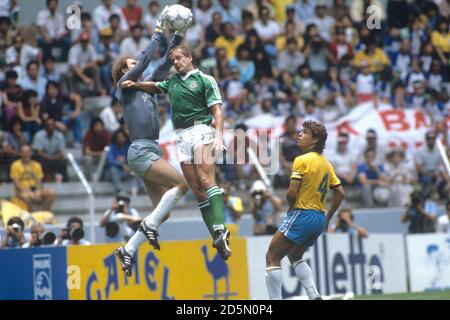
[[178, 17]]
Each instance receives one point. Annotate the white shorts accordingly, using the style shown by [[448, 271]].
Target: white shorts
[[189, 139]]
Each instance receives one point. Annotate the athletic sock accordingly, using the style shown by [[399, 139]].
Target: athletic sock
[[135, 242], [215, 199], [274, 282], [206, 215], [168, 201], [305, 276]]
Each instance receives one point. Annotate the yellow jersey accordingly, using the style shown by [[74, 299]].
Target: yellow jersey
[[29, 175], [317, 177]]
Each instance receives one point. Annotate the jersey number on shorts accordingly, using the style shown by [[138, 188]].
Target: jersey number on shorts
[[323, 187]]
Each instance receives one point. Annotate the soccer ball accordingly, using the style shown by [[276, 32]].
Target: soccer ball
[[178, 17]]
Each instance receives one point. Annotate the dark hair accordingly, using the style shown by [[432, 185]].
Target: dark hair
[[136, 26], [47, 58], [118, 65], [5, 19], [94, 121], [114, 101], [345, 210], [116, 133], [26, 95], [11, 74], [111, 229], [48, 2], [17, 220], [13, 122], [87, 16], [114, 16], [74, 220], [52, 83], [289, 118], [30, 63], [319, 132], [123, 195]]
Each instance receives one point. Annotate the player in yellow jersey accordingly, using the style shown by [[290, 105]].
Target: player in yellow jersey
[[312, 176]]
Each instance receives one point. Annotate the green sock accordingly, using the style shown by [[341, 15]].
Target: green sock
[[206, 215], [215, 199]]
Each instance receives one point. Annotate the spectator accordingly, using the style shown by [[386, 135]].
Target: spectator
[[112, 116], [420, 221], [307, 87], [372, 55], [133, 45], [254, 7], [6, 38], [132, 13], [436, 78], [441, 41], [428, 163], [28, 111], [213, 30], [235, 91], [305, 9], [52, 31], [50, 147], [36, 233], [32, 80], [73, 234], [417, 36], [265, 209], [415, 75], [107, 51], [83, 61], [103, 12], [194, 39], [16, 137], [15, 236], [27, 176], [344, 223], [244, 64], [443, 222], [53, 106], [229, 41], [268, 30], [19, 54], [417, 99], [372, 143], [11, 95], [344, 161], [311, 112], [114, 24], [229, 12], [323, 21], [400, 179], [49, 71], [365, 85], [203, 13], [427, 55], [317, 55], [152, 16], [117, 159], [87, 26], [402, 60], [291, 58], [370, 175], [125, 217], [289, 149], [94, 142], [233, 208], [289, 33], [339, 47]]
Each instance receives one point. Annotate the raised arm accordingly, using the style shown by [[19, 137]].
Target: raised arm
[[164, 64]]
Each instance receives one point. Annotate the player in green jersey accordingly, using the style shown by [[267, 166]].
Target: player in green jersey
[[196, 101]]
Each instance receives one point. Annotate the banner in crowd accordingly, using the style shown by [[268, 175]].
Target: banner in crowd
[[181, 270], [429, 261], [395, 128], [340, 263]]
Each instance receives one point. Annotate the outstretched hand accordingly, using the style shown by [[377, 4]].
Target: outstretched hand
[[161, 22], [128, 84]]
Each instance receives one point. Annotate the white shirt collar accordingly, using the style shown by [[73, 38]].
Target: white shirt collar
[[187, 75]]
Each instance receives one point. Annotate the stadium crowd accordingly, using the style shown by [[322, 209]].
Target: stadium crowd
[[299, 59]]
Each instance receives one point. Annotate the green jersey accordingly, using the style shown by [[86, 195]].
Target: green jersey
[[191, 96]]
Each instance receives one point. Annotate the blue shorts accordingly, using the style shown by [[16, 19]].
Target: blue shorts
[[141, 154], [303, 226]]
